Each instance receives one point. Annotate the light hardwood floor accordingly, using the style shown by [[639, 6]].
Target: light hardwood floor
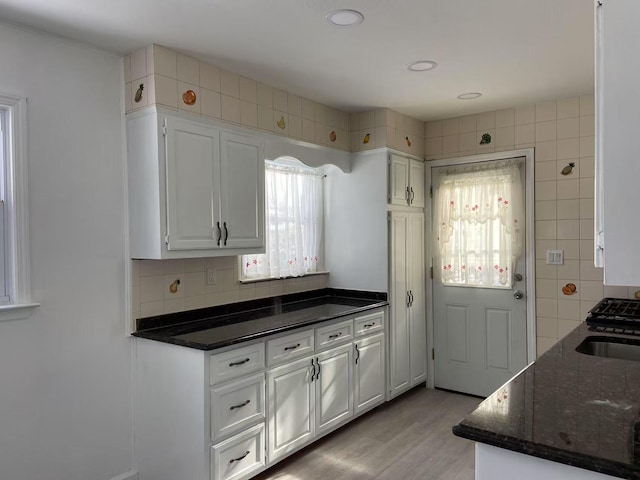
[[405, 439]]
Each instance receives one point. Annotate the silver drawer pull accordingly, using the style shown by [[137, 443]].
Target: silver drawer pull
[[241, 362], [243, 404], [293, 347], [369, 325], [335, 335], [239, 458]]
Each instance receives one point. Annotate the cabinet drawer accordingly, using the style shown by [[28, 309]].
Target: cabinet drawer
[[369, 323], [290, 347], [334, 334], [237, 405], [238, 457], [234, 363]]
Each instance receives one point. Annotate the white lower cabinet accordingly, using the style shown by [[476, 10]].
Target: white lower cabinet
[[231, 414], [290, 393], [368, 373], [240, 456]]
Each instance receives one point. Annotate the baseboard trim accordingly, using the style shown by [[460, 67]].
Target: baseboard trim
[[127, 476]]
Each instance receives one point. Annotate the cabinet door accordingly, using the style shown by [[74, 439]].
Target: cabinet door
[[399, 360], [398, 180], [290, 413], [368, 373], [417, 317], [416, 183], [242, 191], [193, 184], [617, 139], [333, 384]]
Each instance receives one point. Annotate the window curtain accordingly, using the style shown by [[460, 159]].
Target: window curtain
[[293, 207], [479, 213]]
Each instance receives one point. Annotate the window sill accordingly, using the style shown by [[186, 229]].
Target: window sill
[[270, 279], [17, 311]]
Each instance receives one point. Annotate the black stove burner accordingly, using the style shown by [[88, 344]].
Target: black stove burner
[[615, 315]]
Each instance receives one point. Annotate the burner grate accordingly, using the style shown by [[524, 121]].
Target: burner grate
[[616, 308]]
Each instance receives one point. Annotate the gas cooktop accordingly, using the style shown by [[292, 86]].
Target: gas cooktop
[[615, 315]]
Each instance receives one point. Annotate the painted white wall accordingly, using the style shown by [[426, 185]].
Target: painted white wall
[[65, 400], [356, 236]]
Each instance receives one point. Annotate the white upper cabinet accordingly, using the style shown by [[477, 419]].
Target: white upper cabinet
[[195, 190], [406, 181], [617, 140]]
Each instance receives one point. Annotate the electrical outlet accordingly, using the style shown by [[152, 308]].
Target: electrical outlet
[[211, 276]]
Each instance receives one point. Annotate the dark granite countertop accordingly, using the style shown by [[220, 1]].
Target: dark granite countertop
[[568, 407], [217, 327]]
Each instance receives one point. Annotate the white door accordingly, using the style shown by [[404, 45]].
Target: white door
[[242, 191], [368, 372], [290, 414], [399, 357], [193, 185], [479, 305], [334, 400], [417, 317]]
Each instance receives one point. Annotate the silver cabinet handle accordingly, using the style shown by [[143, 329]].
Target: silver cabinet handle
[[241, 362], [292, 347], [412, 194], [226, 233], [219, 233], [357, 353], [335, 335]]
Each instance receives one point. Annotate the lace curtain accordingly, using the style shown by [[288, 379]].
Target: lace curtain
[[478, 213], [293, 209]]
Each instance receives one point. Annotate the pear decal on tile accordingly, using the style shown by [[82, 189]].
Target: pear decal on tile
[[281, 123], [366, 138], [138, 95]]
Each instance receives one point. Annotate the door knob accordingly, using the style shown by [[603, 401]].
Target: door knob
[[518, 294], [517, 277]]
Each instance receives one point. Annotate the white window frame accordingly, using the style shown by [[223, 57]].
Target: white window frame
[[16, 211]]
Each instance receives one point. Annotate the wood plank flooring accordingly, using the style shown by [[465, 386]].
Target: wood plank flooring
[[405, 439]]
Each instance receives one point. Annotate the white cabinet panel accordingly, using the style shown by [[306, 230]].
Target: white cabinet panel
[[291, 416], [242, 168], [416, 183], [368, 373], [239, 457], [237, 405], [290, 347], [407, 324], [406, 181], [234, 363], [334, 334], [333, 384], [618, 142], [193, 184]]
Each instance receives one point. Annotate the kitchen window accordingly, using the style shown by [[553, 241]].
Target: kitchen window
[[15, 295], [294, 232]]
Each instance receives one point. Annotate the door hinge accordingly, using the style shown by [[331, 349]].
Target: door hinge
[[433, 354], [166, 239], [431, 273], [430, 192], [164, 128]]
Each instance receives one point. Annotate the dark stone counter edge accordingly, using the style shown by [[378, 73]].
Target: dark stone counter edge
[[151, 335], [547, 453], [199, 314]]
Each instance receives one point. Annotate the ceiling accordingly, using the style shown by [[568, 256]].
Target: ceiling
[[515, 52]]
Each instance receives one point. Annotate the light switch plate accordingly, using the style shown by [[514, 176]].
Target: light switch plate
[[555, 257]]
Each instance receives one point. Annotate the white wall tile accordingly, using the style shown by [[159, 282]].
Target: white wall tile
[[486, 121], [265, 96], [587, 105], [546, 111], [467, 124], [265, 118], [571, 249], [230, 109], [568, 148], [248, 90], [568, 189], [308, 110], [295, 126], [138, 64], [546, 131], [545, 190], [248, 114], [450, 127], [209, 77], [188, 69], [280, 101], [525, 133], [210, 103], [545, 171], [151, 288], [229, 84], [569, 127], [166, 90], [450, 144], [568, 209], [433, 129], [568, 107], [525, 115], [294, 105]]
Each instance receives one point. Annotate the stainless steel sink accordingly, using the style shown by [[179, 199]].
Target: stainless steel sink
[[611, 347]]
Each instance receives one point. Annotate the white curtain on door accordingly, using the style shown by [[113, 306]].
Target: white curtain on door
[[293, 208], [478, 216]]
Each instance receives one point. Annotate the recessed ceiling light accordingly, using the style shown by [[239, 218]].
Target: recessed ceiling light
[[344, 18], [421, 66], [469, 96]]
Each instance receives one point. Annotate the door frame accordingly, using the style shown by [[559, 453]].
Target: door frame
[[530, 251]]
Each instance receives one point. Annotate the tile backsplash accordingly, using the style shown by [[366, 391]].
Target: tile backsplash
[[152, 295], [562, 132], [165, 75]]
